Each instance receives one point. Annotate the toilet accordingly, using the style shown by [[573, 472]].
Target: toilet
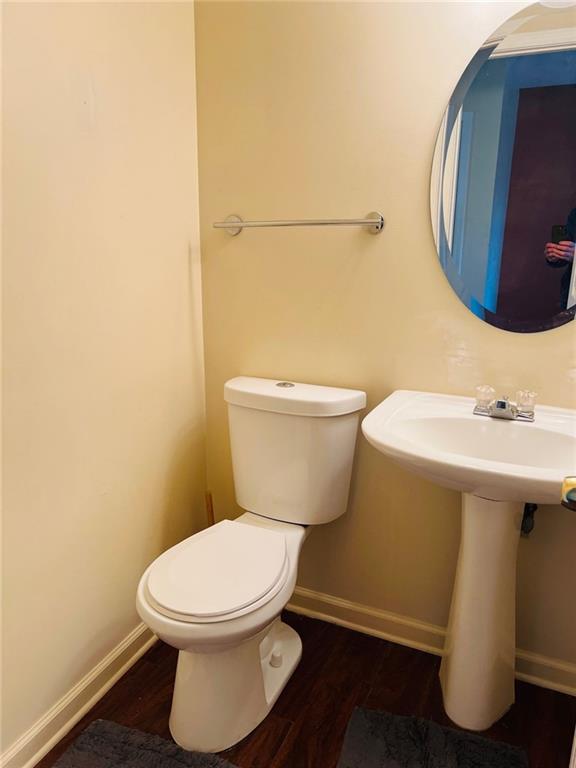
[[217, 596]]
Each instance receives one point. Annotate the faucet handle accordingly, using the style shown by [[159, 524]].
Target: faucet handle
[[485, 395], [525, 400]]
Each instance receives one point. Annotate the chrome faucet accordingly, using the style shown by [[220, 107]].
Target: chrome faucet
[[487, 404]]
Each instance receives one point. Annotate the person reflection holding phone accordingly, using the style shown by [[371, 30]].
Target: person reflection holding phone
[[560, 254]]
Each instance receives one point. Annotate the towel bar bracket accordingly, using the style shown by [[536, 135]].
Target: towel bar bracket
[[231, 221]]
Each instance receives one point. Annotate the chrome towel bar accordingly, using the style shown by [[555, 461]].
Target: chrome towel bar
[[374, 222]]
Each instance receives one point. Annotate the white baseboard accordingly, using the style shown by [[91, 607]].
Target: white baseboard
[[546, 672], [533, 668], [31, 747], [371, 621]]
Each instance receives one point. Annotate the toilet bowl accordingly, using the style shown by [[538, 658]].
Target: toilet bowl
[[217, 596], [236, 655]]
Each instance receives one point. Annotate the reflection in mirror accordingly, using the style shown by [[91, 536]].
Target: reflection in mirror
[[503, 190]]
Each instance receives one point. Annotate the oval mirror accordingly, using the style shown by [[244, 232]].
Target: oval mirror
[[503, 188]]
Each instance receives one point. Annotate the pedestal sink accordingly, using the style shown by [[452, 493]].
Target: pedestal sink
[[497, 465]]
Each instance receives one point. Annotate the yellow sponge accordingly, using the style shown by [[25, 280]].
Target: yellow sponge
[[569, 492]]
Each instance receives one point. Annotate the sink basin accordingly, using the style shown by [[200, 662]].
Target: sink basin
[[437, 436], [497, 465]]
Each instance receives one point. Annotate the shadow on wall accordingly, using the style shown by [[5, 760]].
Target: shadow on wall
[[183, 507]]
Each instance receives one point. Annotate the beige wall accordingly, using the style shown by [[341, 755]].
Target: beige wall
[[103, 409], [331, 110]]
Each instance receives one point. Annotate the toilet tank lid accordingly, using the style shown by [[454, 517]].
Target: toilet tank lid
[[292, 397]]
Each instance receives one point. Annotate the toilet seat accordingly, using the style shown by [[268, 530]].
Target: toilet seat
[[223, 572]]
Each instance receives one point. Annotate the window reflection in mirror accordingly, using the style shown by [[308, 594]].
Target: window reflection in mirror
[[503, 193]]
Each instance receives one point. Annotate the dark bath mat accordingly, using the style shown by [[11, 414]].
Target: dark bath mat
[[109, 745], [380, 740]]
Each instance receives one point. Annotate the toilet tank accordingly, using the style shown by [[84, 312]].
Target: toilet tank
[[292, 447]]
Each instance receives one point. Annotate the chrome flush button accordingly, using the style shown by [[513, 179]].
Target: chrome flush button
[[285, 384]]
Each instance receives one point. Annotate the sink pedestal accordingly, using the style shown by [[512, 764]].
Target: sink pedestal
[[439, 438], [477, 671]]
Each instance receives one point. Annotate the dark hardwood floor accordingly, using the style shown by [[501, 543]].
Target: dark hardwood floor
[[340, 669]]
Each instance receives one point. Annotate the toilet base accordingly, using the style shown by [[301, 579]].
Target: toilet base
[[219, 698]]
